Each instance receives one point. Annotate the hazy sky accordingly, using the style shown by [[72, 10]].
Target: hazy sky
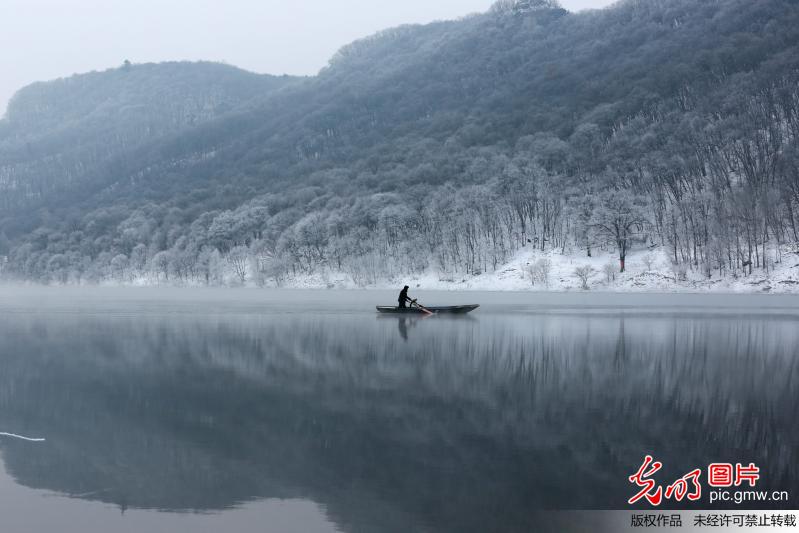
[[47, 39]]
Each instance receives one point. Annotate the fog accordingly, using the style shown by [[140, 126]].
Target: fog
[[46, 39]]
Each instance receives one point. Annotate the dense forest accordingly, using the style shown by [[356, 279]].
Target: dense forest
[[445, 147]]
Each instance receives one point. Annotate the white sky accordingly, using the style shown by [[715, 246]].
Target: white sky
[[48, 39]]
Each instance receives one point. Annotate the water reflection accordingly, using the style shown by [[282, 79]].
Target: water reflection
[[392, 424], [403, 327]]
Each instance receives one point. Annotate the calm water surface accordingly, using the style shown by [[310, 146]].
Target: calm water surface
[[237, 410]]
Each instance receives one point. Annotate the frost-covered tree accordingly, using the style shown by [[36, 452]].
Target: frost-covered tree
[[610, 272], [619, 217], [119, 266], [540, 271], [238, 258], [584, 273], [161, 263]]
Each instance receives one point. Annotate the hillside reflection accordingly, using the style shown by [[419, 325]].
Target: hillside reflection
[[429, 425]]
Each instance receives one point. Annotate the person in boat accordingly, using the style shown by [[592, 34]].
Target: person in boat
[[403, 297]]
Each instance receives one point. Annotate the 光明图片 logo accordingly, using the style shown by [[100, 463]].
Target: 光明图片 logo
[[721, 477]]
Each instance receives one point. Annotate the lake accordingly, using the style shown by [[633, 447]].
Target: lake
[[172, 410]]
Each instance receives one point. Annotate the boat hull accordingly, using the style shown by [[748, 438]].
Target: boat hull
[[448, 310]]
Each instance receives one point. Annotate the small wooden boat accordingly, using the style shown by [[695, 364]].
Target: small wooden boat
[[450, 310]]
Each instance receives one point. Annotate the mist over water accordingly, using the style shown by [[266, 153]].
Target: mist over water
[[225, 402]]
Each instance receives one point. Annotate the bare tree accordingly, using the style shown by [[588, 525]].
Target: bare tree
[[610, 272], [238, 258], [648, 260], [619, 217], [161, 262], [540, 271], [119, 265], [584, 273]]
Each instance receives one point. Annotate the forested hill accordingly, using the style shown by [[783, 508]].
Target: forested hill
[[56, 136], [654, 122]]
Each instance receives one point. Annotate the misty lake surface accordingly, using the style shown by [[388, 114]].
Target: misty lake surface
[[192, 410]]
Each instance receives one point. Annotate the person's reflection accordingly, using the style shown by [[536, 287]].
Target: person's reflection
[[403, 327]]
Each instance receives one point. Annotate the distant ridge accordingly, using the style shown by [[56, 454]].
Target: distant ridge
[[524, 6]]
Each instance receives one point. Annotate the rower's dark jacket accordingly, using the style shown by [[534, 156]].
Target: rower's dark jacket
[[403, 297]]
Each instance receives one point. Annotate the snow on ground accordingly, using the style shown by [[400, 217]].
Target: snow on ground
[[515, 276]]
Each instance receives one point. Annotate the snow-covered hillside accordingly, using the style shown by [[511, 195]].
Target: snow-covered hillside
[[647, 270]]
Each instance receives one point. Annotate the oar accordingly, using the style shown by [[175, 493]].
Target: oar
[[423, 308]]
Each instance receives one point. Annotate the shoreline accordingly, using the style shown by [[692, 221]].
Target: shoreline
[[648, 272], [440, 288]]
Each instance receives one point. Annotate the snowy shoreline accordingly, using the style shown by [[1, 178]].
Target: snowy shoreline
[[517, 276], [647, 271]]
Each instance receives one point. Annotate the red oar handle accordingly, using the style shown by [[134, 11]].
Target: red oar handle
[[423, 308]]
